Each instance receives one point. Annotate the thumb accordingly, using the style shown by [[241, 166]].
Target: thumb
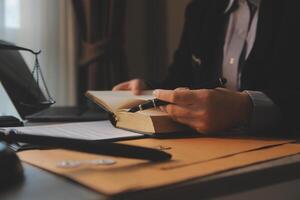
[[121, 86], [136, 87]]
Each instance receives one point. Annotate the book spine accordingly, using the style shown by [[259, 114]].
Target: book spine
[[111, 116]]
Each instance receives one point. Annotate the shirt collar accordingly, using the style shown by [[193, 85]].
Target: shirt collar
[[231, 4]]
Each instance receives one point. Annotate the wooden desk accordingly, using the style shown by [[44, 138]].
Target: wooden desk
[[279, 179]]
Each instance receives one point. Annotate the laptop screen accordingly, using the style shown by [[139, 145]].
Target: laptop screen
[[19, 83], [7, 107]]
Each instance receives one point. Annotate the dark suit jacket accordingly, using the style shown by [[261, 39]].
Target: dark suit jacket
[[272, 66]]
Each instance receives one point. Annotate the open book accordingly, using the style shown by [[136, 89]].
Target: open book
[[117, 104]]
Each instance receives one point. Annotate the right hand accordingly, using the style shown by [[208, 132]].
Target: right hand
[[134, 85]]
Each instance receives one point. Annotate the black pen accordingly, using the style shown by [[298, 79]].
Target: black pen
[[154, 103], [94, 147]]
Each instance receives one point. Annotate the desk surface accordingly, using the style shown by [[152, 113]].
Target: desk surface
[[278, 179]]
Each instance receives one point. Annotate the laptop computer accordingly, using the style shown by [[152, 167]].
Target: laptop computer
[[25, 96], [9, 116]]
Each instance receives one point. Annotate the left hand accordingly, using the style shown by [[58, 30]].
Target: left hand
[[207, 110]]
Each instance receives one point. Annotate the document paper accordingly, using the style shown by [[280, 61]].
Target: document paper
[[99, 130]]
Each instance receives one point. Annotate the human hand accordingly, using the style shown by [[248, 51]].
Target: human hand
[[134, 85], [207, 110]]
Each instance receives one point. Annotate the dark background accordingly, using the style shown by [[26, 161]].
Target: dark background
[[125, 39]]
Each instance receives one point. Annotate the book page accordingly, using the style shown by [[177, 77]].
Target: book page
[[99, 130], [115, 100]]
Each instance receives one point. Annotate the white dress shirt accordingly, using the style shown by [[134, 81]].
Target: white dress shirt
[[239, 41]]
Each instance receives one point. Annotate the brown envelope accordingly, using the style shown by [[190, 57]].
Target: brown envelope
[[192, 158]]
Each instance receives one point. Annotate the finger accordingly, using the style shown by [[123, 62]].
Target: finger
[[219, 89], [179, 97], [186, 121], [196, 125], [182, 88], [187, 117], [136, 87], [163, 108], [178, 112], [121, 86]]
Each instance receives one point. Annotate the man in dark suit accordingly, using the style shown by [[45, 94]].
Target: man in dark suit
[[254, 45]]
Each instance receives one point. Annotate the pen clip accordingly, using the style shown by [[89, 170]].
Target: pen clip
[[154, 103]]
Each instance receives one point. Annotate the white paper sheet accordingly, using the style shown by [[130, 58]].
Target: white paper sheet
[[99, 130]]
